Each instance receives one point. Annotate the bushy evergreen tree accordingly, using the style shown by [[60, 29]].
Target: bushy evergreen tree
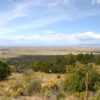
[[85, 58], [4, 70], [70, 59], [77, 80], [97, 60]]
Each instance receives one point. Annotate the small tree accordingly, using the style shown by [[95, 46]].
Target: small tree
[[97, 60], [70, 59], [4, 70], [37, 65]]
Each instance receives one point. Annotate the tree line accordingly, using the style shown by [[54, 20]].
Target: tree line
[[51, 64], [59, 63]]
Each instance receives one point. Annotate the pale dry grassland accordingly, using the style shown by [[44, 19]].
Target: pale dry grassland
[[15, 78], [37, 98], [6, 52]]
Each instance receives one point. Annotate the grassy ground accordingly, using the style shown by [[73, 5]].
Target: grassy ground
[[16, 79]]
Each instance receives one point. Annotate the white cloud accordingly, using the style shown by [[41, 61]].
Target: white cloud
[[19, 10], [88, 35], [95, 1], [39, 11], [48, 32], [53, 39], [98, 1], [3, 31], [33, 10]]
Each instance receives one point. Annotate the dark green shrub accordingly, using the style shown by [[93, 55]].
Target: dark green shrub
[[85, 58], [60, 96], [4, 70], [58, 76], [97, 60], [70, 59], [98, 97], [37, 65], [77, 80]]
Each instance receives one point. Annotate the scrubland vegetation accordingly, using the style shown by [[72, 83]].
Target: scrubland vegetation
[[51, 78]]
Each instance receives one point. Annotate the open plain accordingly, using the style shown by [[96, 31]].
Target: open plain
[[9, 52]]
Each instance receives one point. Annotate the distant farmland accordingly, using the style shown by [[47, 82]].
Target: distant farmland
[[6, 52]]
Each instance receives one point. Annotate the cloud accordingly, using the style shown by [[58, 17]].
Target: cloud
[[29, 14], [18, 10], [95, 1], [39, 13], [98, 1], [32, 14], [48, 32], [88, 38], [3, 31]]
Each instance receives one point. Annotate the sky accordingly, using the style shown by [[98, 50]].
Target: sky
[[49, 22]]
